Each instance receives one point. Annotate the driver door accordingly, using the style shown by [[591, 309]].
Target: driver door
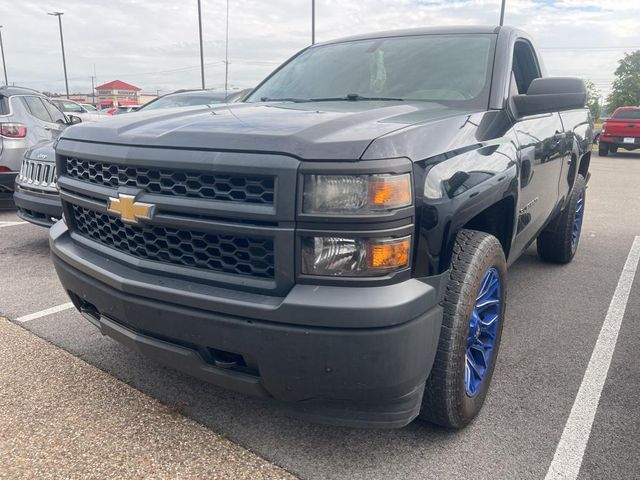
[[541, 152]]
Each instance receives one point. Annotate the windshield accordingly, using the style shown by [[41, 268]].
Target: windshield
[[627, 114], [171, 101], [450, 69]]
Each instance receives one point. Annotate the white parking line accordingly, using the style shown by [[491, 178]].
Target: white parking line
[[11, 224], [44, 313], [570, 451]]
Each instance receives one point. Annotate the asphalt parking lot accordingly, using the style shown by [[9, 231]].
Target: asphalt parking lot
[[554, 321]]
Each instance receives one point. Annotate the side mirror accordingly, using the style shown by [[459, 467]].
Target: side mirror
[[553, 94], [73, 119]]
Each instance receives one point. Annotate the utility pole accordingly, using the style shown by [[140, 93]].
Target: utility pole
[[64, 61], [201, 52], [502, 12], [226, 56], [313, 22], [4, 65], [93, 89]]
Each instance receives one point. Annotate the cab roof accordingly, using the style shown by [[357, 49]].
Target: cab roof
[[445, 30]]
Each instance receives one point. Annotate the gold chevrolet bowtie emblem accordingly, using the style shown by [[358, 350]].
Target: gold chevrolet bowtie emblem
[[130, 210]]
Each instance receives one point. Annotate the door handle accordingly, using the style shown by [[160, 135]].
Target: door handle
[[47, 129]]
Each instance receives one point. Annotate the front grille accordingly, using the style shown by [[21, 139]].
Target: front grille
[[188, 248], [36, 174], [226, 187]]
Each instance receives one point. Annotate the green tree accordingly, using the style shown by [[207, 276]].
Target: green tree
[[626, 86], [593, 100]]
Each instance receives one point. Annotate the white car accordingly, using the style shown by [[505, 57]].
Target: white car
[[90, 108], [74, 108]]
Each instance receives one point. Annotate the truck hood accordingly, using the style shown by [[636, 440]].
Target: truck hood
[[314, 131]]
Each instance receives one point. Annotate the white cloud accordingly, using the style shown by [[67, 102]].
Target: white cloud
[[154, 44]]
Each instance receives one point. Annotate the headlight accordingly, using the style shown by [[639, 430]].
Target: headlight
[[354, 257], [356, 194]]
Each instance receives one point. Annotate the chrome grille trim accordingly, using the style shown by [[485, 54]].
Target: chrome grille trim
[[38, 175]]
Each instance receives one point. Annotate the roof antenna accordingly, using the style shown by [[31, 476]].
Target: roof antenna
[[502, 12]]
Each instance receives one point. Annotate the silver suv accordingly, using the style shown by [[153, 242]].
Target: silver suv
[[27, 118]]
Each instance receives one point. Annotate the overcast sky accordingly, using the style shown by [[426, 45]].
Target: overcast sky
[[154, 43]]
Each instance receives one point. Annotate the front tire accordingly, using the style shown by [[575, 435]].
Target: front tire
[[474, 310], [559, 241]]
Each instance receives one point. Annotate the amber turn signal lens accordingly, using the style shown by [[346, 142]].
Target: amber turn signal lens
[[390, 191], [390, 254]]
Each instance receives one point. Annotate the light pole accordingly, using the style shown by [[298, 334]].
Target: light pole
[[201, 52], [226, 55], [502, 12], [64, 61], [313, 22], [4, 65]]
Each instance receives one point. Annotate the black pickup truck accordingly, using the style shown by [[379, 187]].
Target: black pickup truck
[[339, 240]]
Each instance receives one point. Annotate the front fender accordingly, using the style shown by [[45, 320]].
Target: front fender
[[455, 188]]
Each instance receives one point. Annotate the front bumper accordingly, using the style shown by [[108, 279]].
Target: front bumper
[[38, 208], [365, 366], [7, 181]]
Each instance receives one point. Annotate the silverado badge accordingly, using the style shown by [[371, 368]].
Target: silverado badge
[[129, 210]]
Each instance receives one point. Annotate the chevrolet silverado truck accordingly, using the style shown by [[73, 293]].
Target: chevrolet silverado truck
[[340, 239], [622, 130]]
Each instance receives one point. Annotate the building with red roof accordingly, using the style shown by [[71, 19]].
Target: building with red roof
[[117, 92]]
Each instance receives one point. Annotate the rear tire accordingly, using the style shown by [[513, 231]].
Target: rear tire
[[603, 149], [474, 309], [559, 241]]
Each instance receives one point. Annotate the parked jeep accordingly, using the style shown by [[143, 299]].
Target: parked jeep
[[339, 240], [36, 193]]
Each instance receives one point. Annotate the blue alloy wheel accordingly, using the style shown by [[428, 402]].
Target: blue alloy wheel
[[483, 329], [577, 223]]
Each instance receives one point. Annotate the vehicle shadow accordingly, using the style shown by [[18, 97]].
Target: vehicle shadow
[[622, 155], [31, 246]]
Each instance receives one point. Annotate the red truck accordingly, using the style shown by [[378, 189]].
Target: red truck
[[622, 130]]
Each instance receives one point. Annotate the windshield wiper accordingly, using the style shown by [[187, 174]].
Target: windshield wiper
[[354, 97], [350, 97], [285, 99]]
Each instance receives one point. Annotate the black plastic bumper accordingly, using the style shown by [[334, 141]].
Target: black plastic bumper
[[7, 182], [617, 142], [365, 376], [37, 208]]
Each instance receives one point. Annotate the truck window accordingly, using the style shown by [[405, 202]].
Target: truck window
[[627, 115], [525, 66], [37, 108]]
